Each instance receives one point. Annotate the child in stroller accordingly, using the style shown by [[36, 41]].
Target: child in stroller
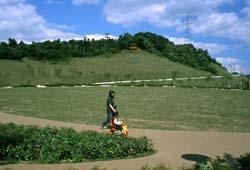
[[117, 125]]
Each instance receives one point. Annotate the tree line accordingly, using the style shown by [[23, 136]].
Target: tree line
[[58, 50]]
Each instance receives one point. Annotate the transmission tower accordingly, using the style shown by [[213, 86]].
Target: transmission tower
[[84, 37], [187, 30], [107, 36]]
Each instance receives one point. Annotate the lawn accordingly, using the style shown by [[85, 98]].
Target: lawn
[[141, 107]]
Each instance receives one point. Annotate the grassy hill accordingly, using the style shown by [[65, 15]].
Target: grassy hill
[[126, 65]]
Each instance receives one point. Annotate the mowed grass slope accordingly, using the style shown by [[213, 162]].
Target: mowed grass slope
[[127, 65], [148, 107]]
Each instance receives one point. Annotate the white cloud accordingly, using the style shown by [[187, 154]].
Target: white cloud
[[205, 16], [233, 64], [80, 2], [227, 25], [78, 37], [227, 60], [21, 21], [99, 36], [10, 1], [63, 27], [130, 12], [213, 48], [160, 12], [246, 11], [237, 68], [93, 36]]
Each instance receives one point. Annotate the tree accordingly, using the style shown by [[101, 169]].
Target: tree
[[185, 54], [5, 51], [125, 40], [12, 43], [229, 78], [174, 75]]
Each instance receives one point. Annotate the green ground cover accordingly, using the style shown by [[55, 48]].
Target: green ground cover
[[141, 107], [227, 82], [51, 145], [127, 65]]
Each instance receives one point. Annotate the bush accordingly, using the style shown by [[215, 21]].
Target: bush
[[227, 162], [244, 161], [162, 166], [157, 167], [50, 145]]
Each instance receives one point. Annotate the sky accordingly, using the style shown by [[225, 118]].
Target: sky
[[220, 26]]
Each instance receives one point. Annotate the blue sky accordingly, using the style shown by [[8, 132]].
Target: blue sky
[[220, 26]]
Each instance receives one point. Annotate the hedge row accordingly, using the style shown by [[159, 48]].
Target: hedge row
[[50, 145]]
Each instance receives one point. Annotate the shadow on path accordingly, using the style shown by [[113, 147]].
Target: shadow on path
[[195, 157]]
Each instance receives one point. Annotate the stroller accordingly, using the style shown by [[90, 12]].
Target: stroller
[[120, 128]]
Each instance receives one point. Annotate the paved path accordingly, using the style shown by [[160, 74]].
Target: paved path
[[171, 146], [156, 80]]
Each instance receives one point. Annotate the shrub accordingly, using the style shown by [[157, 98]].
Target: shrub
[[227, 162], [244, 161], [162, 166], [98, 168], [157, 167], [49, 145]]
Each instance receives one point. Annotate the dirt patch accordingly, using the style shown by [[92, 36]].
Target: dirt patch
[[171, 145]]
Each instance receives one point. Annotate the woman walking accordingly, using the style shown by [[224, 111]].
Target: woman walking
[[111, 108]]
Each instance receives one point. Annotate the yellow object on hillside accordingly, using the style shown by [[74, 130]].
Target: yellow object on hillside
[[133, 46]]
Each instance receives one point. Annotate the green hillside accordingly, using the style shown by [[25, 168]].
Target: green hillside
[[127, 65], [57, 50]]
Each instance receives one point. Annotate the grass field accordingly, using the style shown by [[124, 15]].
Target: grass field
[[127, 65], [140, 107]]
